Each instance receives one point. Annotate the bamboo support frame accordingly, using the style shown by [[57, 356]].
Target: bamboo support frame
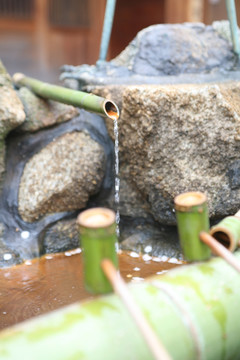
[[89, 102], [231, 11]]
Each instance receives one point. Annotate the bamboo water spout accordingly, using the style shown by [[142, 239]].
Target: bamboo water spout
[[89, 102]]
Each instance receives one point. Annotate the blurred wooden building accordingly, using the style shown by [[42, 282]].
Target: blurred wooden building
[[38, 36]]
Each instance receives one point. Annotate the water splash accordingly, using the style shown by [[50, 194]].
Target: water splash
[[117, 179]]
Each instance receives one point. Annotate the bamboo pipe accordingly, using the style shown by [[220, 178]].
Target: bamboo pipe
[[157, 349], [227, 231], [98, 240], [220, 250], [192, 217], [89, 102]]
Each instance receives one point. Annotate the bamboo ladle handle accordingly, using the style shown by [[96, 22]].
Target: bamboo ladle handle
[[119, 286]]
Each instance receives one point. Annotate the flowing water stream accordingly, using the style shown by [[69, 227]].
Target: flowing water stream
[[117, 179]]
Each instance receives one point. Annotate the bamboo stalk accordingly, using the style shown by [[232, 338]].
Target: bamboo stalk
[[220, 250], [76, 98], [157, 349], [98, 241], [192, 217]]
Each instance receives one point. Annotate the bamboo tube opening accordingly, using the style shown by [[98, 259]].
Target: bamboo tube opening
[[189, 199], [17, 77], [224, 237], [111, 109], [96, 217]]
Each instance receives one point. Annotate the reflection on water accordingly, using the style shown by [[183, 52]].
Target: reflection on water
[[55, 280]]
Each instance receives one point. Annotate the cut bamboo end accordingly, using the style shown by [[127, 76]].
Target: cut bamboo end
[[186, 201], [17, 77], [192, 218], [227, 232], [224, 237], [98, 239], [96, 217], [111, 109]]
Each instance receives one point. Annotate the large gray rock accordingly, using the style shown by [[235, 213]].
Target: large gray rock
[[181, 138], [41, 113], [62, 176], [163, 53], [171, 49]]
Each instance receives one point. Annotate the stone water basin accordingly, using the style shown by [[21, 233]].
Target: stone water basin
[[44, 284]]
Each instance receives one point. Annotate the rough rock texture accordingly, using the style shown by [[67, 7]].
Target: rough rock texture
[[62, 176], [11, 108], [11, 113], [41, 113], [171, 49], [62, 236], [160, 53], [150, 238], [181, 138]]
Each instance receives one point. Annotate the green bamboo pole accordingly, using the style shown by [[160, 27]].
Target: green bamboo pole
[[76, 98], [98, 241], [157, 349], [193, 309], [192, 218]]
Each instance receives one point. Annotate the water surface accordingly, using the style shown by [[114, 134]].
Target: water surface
[[54, 280]]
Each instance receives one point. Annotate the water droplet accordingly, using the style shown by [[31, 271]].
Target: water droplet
[[129, 275], [4, 312], [146, 257], [148, 249], [173, 261], [136, 278], [25, 234], [161, 272], [134, 254], [28, 262], [7, 256], [68, 253], [136, 269], [164, 258]]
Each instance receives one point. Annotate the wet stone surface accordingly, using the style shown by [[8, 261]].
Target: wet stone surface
[[150, 238], [60, 237], [25, 240], [41, 113], [60, 177]]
